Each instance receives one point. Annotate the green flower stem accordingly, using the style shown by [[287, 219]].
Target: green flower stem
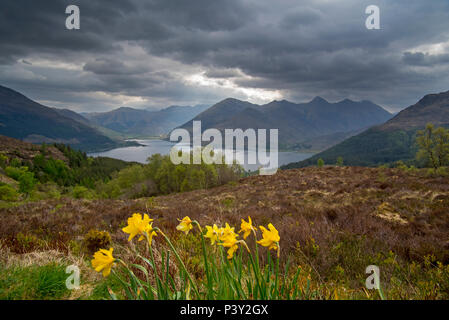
[[256, 274], [277, 276], [257, 265], [158, 280], [127, 285], [381, 293], [206, 264], [195, 288], [257, 248]]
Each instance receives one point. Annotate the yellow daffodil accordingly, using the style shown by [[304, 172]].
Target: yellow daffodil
[[229, 240], [232, 244], [212, 233], [226, 231], [246, 228], [138, 226], [150, 233], [232, 250], [185, 225], [270, 237], [103, 261]]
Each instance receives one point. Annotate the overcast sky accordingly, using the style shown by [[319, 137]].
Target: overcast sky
[[156, 53]]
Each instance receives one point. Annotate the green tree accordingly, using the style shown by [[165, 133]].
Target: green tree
[[161, 176], [15, 173], [16, 162], [340, 161], [3, 160], [81, 192], [27, 182], [433, 146], [8, 193], [320, 163]]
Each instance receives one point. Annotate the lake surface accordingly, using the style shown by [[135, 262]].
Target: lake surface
[[150, 147]]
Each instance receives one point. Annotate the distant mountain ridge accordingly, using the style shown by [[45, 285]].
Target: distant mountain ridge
[[141, 123], [25, 119], [298, 123], [310, 126], [392, 141]]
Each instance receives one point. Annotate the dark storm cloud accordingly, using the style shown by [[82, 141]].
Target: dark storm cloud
[[299, 48], [107, 66], [222, 73], [28, 26], [305, 16]]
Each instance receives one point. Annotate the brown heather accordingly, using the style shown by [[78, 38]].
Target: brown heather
[[335, 219], [13, 148]]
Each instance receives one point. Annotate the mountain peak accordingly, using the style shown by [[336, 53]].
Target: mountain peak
[[277, 102], [230, 100], [124, 109], [347, 101], [318, 99]]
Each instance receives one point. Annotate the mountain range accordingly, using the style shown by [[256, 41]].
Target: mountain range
[[144, 123], [311, 126], [302, 126], [392, 141], [27, 120]]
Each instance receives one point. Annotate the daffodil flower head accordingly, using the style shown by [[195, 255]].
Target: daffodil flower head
[[229, 240], [103, 261], [138, 226], [246, 227], [226, 231], [270, 237], [212, 233], [150, 233], [232, 250], [185, 225]]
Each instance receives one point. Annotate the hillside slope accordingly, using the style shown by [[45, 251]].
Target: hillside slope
[[13, 148], [72, 115], [30, 121], [114, 135]]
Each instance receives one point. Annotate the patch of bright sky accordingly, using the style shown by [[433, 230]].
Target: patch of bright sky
[[433, 49], [254, 95]]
